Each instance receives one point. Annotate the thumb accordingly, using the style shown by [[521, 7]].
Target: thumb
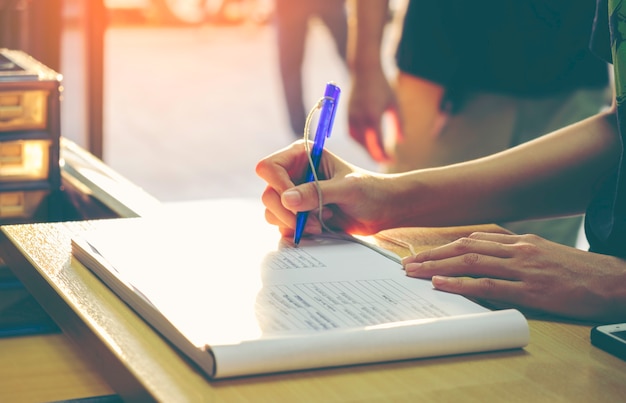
[[303, 197]]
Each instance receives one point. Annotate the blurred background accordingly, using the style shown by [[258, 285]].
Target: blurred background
[[182, 97]]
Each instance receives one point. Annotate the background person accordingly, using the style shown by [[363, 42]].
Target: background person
[[474, 78], [292, 20]]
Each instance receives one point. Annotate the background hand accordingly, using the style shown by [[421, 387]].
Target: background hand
[[370, 98]]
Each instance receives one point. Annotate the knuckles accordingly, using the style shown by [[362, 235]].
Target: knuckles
[[464, 245], [471, 259], [266, 196], [487, 286]]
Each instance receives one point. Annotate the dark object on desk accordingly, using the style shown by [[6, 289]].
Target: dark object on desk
[[610, 338], [95, 399], [20, 314]]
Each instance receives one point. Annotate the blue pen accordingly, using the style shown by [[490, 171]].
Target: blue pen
[[324, 128]]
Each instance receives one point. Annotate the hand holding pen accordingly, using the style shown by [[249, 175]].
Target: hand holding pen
[[324, 129]]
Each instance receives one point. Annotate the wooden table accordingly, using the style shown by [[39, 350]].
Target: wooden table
[[50, 367], [106, 348]]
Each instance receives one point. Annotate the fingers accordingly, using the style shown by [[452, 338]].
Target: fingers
[[279, 168], [506, 268], [356, 131], [510, 292], [371, 140], [281, 209], [276, 212], [303, 197], [496, 237], [370, 136], [396, 123], [470, 264], [374, 145], [479, 255], [479, 242], [283, 199]]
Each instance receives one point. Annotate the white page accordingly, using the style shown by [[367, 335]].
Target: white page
[[226, 278], [451, 335]]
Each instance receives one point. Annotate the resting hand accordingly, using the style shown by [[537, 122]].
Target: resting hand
[[528, 272], [351, 195], [370, 98]]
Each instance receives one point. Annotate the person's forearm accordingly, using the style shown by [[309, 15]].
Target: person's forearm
[[552, 175], [366, 26]]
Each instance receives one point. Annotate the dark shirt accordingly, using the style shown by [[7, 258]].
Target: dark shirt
[[605, 222], [514, 47]]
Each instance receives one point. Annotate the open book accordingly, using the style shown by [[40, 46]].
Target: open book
[[234, 297]]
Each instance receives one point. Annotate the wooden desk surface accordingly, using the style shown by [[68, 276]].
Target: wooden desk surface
[[558, 365]]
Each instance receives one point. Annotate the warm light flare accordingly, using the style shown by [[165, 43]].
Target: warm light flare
[[24, 159]]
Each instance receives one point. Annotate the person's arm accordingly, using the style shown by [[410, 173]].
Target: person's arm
[[366, 23], [553, 175], [370, 95]]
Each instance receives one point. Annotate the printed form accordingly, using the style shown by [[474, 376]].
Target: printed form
[[386, 296], [253, 302]]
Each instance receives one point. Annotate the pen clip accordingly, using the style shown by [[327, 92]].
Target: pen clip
[[331, 95]]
